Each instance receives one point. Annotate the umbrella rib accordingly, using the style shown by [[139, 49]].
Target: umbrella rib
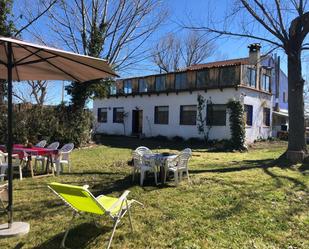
[[36, 61], [79, 62], [2, 62], [5, 50], [15, 66], [60, 69], [26, 57]]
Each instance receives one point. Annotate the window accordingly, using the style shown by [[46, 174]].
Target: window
[[160, 82], [201, 77], [118, 114], [266, 116], [113, 89], [248, 114], [161, 115], [216, 115], [251, 77], [127, 86], [228, 76], [265, 82], [102, 115], [188, 114], [181, 80], [142, 85]]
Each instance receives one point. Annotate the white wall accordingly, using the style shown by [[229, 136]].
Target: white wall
[[174, 101], [258, 101]]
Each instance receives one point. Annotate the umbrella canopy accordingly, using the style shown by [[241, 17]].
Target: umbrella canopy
[[21, 60], [35, 62]]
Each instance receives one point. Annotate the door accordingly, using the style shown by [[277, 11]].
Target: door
[[137, 121]]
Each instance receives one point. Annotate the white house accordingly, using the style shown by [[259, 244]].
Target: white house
[[166, 104]]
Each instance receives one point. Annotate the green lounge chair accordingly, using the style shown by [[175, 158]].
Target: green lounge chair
[[81, 201]]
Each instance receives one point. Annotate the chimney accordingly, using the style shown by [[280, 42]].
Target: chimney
[[254, 53], [255, 61]]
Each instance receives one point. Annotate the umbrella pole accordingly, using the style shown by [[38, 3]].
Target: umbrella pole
[[10, 133], [11, 228]]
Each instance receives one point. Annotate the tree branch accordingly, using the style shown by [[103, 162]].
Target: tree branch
[[228, 33], [35, 19]]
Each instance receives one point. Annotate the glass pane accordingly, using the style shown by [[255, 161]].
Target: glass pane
[[216, 115], [127, 86], [113, 89], [142, 85], [118, 115], [189, 107], [181, 80], [161, 115], [252, 82], [201, 78], [266, 116], [162, 108], [188, 115], [160, 83], [248, 114]]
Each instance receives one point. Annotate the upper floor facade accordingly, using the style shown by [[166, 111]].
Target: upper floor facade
[[255, 72], [217, 75]]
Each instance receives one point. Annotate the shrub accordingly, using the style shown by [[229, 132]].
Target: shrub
[[160, 138], [177, 139], [283, 135], [195, 140], [59, 123], [237, 125]]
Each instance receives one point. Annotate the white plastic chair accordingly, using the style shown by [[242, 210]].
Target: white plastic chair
[[142, 149], [4, 165], [4, 197], [188, 150], [42, 159], [41, 144], [148, 165], [178, 165], [64, 157], [53, 146], [137, 155], [137, 162]]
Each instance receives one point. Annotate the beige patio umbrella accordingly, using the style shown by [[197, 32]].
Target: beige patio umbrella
[[20, 61]]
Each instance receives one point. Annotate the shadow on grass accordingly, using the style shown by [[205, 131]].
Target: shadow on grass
[[125, 183], [265, 165], [19, 245], [86, 233], [304, 168], [89, 173]]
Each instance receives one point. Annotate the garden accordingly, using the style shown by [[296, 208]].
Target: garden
[[234, 200]]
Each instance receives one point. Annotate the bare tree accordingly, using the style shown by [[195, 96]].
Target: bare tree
[[167, 53], [196, 48], [115, 30], [33, 91], [14, 24], [285, 25], [172, 52]]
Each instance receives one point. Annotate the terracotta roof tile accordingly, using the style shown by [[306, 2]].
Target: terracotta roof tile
[[240, 61]]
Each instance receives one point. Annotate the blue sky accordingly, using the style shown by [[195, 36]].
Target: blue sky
[[198, 12]]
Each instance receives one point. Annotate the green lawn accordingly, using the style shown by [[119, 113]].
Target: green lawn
[[236, 200]]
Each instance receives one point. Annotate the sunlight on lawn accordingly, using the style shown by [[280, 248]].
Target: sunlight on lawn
[[236, 200]]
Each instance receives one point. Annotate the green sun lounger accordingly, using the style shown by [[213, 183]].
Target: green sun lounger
[[82, 201]]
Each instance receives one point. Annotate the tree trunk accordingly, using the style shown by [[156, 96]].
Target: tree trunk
[[297, 138]]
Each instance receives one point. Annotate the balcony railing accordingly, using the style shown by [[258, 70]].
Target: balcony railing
[[208, 78]]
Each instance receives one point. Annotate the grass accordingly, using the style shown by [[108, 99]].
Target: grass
[[236, 200]]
